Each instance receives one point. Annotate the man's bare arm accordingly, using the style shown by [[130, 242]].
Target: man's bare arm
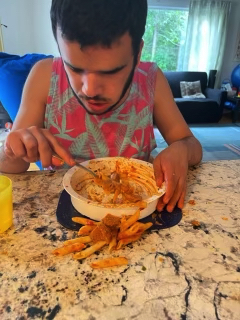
[[171, 164], [171, 123]]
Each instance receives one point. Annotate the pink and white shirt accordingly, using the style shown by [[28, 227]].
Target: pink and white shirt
[[126, 131]]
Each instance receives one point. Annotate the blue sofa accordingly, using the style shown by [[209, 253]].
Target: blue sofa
[[203, 110]]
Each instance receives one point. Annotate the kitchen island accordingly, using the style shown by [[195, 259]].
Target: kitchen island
[[190, 271]]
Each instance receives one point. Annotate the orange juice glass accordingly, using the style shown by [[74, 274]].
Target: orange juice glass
[[6, 205]]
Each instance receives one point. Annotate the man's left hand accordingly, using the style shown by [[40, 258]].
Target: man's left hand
[[171, 166]]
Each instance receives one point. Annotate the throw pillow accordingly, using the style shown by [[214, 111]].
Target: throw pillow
[[191, 90]]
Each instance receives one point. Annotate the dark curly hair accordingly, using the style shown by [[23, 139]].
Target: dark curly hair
[[92, 22]]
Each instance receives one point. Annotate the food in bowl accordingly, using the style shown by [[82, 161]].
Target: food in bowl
[[136, 176], [122, 181]]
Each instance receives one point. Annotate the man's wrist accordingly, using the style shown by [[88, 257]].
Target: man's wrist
[[193, 149]]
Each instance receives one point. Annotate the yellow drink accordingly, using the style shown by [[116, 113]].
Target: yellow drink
[[6, 206]]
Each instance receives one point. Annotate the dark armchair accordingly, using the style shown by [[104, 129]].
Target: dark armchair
[[200, 110]]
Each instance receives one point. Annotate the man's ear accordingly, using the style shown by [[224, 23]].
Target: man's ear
[[140, 52]]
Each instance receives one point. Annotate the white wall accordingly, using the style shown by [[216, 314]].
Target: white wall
[[19, 33], [44, 39], [29, 27]]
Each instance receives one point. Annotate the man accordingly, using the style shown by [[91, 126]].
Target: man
[[99, 100]]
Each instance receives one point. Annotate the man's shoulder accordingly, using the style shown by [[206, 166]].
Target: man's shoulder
[[45, 62], [49, 67], [147, 66], [44, 66], [146, 63]]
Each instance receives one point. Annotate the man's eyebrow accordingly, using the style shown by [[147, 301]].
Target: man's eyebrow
[[76, 69]]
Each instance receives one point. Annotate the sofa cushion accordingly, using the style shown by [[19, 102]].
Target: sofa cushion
[[14, 70], [175, 77], [191, 90], [199, 101], [199, 110]]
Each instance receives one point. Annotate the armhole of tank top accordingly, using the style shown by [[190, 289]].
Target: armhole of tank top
[[52, 83], [152, 86], [153, 72]]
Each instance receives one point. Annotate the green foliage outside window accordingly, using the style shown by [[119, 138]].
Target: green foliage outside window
[[165, 31]]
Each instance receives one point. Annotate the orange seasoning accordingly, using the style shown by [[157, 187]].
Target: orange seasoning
[[195, 223], [192, 202]]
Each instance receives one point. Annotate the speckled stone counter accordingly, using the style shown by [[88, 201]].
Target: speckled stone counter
[[186, 272]]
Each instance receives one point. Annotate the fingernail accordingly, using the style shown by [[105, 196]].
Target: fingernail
[[160, 208], [57, 161], [72, 162], [169, 208]]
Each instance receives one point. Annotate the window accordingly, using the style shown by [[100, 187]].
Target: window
[[165, 32]]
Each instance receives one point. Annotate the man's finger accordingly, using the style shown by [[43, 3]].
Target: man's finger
[[160, 204], [176, 195], [31, 145], [17, 147], [171, 183], [182, 196], [44, 149], [58, 149], [158, 173], [8, 150]]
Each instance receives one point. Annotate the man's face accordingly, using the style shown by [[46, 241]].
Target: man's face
[[98, 75]]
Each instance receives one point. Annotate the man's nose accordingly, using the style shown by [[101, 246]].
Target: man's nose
[[91, 85]]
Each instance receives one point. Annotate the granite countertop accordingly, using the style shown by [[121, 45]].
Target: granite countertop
[[185, 272]]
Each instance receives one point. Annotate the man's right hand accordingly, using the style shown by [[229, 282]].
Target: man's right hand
[[33, 144]]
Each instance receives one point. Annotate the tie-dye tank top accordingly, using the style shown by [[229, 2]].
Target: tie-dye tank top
[[126, 131]]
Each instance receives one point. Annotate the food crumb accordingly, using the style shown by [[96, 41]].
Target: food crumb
[[225, 218], [195, 223], [4, 253], [153, 249], [161, 259], [154, 216], [144, 268], [192, 202]]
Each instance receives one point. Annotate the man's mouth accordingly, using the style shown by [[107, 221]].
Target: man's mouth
[[96, 106], [96, 103]]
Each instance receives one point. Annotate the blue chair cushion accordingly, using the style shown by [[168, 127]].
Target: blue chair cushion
[[14, 70]]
